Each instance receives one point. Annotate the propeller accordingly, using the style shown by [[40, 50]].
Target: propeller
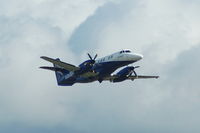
[[133, 70], [92, 60]]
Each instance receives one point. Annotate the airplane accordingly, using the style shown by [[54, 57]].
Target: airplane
[[97, 70]]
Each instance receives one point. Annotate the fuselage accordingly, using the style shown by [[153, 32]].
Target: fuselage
[[107, 65]]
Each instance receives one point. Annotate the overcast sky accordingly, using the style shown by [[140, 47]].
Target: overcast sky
[[166, 32]]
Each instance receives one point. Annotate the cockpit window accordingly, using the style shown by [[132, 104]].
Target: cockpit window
[[127, 51]]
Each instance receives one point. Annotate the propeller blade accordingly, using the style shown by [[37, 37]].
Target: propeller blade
[[90, 56], [132, 70], [135, 73], [136, 67], [95, 57], [130, 73]]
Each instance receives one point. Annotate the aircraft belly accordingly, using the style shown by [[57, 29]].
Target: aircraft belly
[[85, 80]]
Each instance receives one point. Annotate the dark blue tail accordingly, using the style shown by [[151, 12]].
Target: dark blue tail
[[60, 75]]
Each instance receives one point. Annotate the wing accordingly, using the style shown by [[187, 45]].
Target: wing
[[142, 77], [112, 77], [64, 65]]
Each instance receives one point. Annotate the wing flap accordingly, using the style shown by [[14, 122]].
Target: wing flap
[[89, 74], [64, 65]]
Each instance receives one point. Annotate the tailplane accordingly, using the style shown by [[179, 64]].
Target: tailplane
[[60, 73]]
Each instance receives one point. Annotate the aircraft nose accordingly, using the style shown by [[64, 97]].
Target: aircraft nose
[[139, 56], [135, 57]]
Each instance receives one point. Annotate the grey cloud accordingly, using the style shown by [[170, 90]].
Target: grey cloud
[[87, 35], [180, 83]]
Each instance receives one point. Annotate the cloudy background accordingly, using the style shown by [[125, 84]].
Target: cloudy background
[[166, 32]]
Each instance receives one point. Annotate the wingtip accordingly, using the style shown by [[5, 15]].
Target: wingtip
[[39, 67], [42, 57], [45, 58], [42, 67]]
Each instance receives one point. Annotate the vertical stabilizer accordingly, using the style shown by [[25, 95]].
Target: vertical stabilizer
[[60, 74]]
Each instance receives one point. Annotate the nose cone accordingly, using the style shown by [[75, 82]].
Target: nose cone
[[136, 57], [139, 56]]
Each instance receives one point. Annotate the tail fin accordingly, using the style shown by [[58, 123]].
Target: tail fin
[[60, 73]]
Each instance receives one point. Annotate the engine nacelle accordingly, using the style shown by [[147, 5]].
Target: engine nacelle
[[123, 74], [86, 66]]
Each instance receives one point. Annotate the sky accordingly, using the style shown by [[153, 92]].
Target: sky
[[165, 32]]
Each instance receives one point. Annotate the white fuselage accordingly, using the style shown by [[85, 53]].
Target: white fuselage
[[124, 55]]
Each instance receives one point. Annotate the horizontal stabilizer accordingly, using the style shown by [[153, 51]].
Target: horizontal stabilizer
[[51, 68], [64, 65]]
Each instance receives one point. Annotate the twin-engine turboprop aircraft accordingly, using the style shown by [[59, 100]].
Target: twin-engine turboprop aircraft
[[93, 70]]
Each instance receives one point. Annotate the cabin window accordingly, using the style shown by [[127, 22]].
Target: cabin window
[[109, 57]]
